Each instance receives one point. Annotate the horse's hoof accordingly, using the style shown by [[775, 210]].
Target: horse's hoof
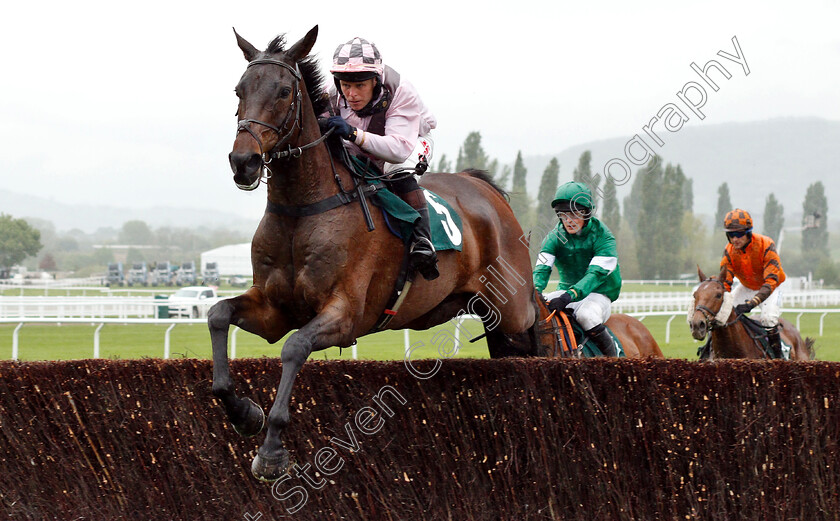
[[270, 468], [252, 423]]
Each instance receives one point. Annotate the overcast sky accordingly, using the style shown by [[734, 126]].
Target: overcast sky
[[132, 104]]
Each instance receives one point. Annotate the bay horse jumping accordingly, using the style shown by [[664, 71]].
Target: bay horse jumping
[[318, 269], [713, 314]]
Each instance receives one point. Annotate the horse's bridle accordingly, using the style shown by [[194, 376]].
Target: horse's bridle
[[245, 124], [710, 315]]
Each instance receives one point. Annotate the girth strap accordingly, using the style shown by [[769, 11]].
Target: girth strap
[[323, 205]]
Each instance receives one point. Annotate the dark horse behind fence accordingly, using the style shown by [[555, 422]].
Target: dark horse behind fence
[[318, 270], [730, 337]]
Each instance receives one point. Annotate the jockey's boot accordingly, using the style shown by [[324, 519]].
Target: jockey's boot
[[602, 339], [774, 338], [421, 254]]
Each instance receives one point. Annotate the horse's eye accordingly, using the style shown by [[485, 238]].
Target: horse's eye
[[719, 296], [285, 91]]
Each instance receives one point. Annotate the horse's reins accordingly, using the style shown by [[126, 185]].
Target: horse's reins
[[344, 197], [711, 324]]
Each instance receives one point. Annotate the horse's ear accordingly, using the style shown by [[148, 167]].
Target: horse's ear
[[700, 274], [301, 49], [722, 275], [248, 50]]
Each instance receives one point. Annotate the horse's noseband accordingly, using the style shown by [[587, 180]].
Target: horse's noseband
[[295, 111]]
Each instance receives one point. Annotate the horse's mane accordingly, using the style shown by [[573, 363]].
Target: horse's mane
[[312, 76], [487, 178]]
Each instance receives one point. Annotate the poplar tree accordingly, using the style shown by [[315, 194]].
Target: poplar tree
[[610, 212], [520, 201], [471, 154], [774, 218], [724, 205], [583, 174], [814, 222], [548, 187]]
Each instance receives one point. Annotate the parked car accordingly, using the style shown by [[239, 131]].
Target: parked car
[[192, 302], [238, 281]]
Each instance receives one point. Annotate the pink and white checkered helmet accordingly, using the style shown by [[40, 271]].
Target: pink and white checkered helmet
[[357, 60]]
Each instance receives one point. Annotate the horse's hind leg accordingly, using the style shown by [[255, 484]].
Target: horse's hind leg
[[332, 327], [249, 312]]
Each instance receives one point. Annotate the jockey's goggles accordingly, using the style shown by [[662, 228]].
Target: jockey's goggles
[[738, 234]]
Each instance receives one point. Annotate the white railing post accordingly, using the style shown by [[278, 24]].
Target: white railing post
[[407, 342], [166, 342], [821, 322], [15, 343], [668, 329], [96, 340]]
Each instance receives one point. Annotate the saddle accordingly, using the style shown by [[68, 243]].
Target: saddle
[[570, 341], [757, 332]]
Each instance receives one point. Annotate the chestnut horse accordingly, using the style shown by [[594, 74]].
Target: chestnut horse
[[635, 338], [317, 267], [713, 313]]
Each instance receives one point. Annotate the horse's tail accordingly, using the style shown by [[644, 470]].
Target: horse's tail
[[487, 178], [809, 348]]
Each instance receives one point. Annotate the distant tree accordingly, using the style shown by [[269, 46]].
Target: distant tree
[[610, 212], [724, 205], [659, 230], [444, 165], [520, 201], [548, 186], [633, 202], [493, 169], [774, 218], [136, 232], [504, 178], [47, 263], [471, 154], [688, 190], [583, 174], [814, 221], [18, 240]]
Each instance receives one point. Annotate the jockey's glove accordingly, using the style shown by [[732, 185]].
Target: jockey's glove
[[559, 303], [342, 128], [742, 309]]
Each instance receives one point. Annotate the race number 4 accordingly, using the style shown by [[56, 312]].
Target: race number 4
[[449, 227]]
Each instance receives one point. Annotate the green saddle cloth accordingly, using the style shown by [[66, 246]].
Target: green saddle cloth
[[588, 347], [445, 223]]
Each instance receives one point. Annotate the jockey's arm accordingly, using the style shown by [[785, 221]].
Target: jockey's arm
[[402, 128], [596, 273], [604, 262], [542, 271], [772, 267]]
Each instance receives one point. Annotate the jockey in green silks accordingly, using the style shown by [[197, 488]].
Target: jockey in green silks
[[583, 250]]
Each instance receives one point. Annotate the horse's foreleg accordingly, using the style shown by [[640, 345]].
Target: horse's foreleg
[[246, 416], [331, 327]]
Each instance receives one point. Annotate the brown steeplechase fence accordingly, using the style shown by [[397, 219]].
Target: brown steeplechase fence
[[477, 440]]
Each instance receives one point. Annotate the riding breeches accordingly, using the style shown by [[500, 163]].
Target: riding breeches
[[592, 310], [770, 309]]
